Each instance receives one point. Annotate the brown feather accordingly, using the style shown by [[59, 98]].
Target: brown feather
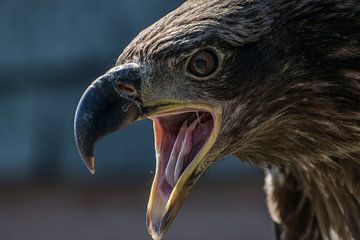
[[290, 90]]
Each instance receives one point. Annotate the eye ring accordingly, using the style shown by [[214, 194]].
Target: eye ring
[[203, 63]]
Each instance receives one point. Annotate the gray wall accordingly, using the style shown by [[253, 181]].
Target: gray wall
[[50, 51]]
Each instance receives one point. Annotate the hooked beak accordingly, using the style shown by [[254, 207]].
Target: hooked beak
[[108, 104], [184, 134]]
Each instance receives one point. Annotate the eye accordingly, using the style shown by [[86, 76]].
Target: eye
[[203, 63]]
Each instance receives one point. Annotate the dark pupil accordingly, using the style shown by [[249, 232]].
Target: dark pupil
[[200, 63]]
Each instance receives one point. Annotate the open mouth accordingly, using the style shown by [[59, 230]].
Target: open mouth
[[181, 137]]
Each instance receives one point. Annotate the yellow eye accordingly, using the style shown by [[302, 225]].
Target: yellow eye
[[203, 63]]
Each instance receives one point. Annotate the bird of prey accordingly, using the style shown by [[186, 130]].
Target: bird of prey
[[275, 83]]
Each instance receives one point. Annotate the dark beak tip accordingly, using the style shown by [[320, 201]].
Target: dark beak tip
[[88, 160], [90, 164], [86, 153]]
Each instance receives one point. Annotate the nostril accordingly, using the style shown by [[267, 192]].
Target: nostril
[[126, 88]]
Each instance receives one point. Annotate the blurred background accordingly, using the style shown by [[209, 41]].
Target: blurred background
[[50, 52]]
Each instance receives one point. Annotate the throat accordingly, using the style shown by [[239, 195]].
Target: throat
[[178, 139]]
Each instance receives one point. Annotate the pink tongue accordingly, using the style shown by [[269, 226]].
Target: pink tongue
[[181, 150]]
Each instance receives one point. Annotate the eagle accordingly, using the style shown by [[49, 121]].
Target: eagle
[[275, 83]]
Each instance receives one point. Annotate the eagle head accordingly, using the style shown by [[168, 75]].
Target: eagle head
[[217, 78]]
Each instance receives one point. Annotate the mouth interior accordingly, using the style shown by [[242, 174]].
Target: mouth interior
[[179, 137]]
